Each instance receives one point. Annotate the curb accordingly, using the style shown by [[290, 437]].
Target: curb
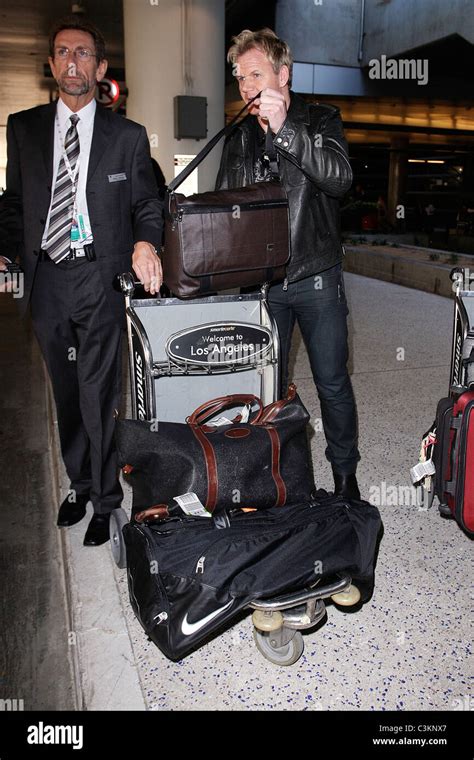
[[53, 441], [98, 624], [400, 270]]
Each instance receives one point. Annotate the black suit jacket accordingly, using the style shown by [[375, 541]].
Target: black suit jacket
[[121, 212]]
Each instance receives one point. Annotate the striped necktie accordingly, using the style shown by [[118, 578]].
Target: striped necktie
[[58, 243]]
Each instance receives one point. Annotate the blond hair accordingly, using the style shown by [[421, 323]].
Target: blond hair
[[265, 40]]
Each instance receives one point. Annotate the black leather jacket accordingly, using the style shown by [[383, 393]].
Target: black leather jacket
[[315, 171]]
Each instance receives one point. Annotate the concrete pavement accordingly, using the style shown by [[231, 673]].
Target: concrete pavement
[[409, 648], [36, 667]]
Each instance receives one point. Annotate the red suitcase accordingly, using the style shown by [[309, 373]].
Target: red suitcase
[[458, 467], [446, 463]]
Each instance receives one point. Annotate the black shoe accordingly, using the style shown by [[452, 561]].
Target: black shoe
[[71, 512], [346, 486], [97, 532]]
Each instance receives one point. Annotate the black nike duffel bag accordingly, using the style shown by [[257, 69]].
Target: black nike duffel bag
[[189, 576]]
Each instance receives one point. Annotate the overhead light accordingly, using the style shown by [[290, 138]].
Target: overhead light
[[432, 161], [416, 161]]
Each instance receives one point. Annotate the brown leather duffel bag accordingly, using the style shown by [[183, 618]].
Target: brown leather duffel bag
[[226, 238]]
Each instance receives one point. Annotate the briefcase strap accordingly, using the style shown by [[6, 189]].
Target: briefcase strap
[[269, 148]]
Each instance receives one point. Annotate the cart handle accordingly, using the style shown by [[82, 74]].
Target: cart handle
[[216, 405]]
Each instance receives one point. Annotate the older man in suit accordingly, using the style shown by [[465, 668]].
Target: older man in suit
[[81, 205]]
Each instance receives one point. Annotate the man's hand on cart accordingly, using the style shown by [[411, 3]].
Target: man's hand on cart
[[147, 266]]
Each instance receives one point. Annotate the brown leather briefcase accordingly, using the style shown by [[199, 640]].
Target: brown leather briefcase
[[226, 238]]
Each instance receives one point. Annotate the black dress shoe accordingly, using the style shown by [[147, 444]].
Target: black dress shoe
[[346, 486], [97, 532], [71, 512]]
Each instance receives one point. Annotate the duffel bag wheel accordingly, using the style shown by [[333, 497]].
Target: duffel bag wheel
[[347, 598], [285, 655], [118, 518]]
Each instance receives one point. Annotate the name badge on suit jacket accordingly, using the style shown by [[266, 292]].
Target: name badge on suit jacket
[[117, 177]]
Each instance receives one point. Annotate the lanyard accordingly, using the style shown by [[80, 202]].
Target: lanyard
[[73, 175]]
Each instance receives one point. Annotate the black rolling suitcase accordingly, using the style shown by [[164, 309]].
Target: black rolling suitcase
[[190, 576], [446, 467]]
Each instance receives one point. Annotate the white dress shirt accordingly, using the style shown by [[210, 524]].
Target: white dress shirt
[[85, 127]]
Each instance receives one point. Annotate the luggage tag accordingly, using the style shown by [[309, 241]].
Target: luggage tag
[[422, 470], [425, 469], [191, 505]]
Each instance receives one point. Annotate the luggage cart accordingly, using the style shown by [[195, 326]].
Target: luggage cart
[[183, 353]]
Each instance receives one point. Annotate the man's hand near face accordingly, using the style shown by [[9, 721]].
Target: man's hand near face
[[272, 108]]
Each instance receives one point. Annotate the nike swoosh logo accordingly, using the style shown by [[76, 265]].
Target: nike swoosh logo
[[189, 628]]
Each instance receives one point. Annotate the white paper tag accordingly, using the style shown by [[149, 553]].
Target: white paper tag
[[244, 417], [219, 421], [422, 470], [191, 505], [245, 413]]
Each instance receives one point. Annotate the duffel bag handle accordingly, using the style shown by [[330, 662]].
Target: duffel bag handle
[[216, 405], [157, 512]]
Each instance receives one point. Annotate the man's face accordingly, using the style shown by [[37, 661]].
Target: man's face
[[75, 73], [254, 73]]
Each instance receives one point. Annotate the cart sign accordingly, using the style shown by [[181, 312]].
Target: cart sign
[[226, 343]]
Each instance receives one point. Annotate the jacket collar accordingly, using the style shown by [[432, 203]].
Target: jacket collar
[[298, 108], [100, 138], [46, 137]]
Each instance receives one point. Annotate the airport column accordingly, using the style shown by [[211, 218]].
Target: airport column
[[175, 47], [397, 182]]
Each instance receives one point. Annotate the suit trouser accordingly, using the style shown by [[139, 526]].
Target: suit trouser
[[319, 304], [81, 343]]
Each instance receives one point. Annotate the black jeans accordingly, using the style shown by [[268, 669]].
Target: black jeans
[[319, 304]]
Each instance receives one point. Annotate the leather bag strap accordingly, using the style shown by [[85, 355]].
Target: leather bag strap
[[211, 408], [176, 182], [157, 512], [272, 410]]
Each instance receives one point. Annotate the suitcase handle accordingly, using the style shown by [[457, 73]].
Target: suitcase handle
[[216, 405]]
